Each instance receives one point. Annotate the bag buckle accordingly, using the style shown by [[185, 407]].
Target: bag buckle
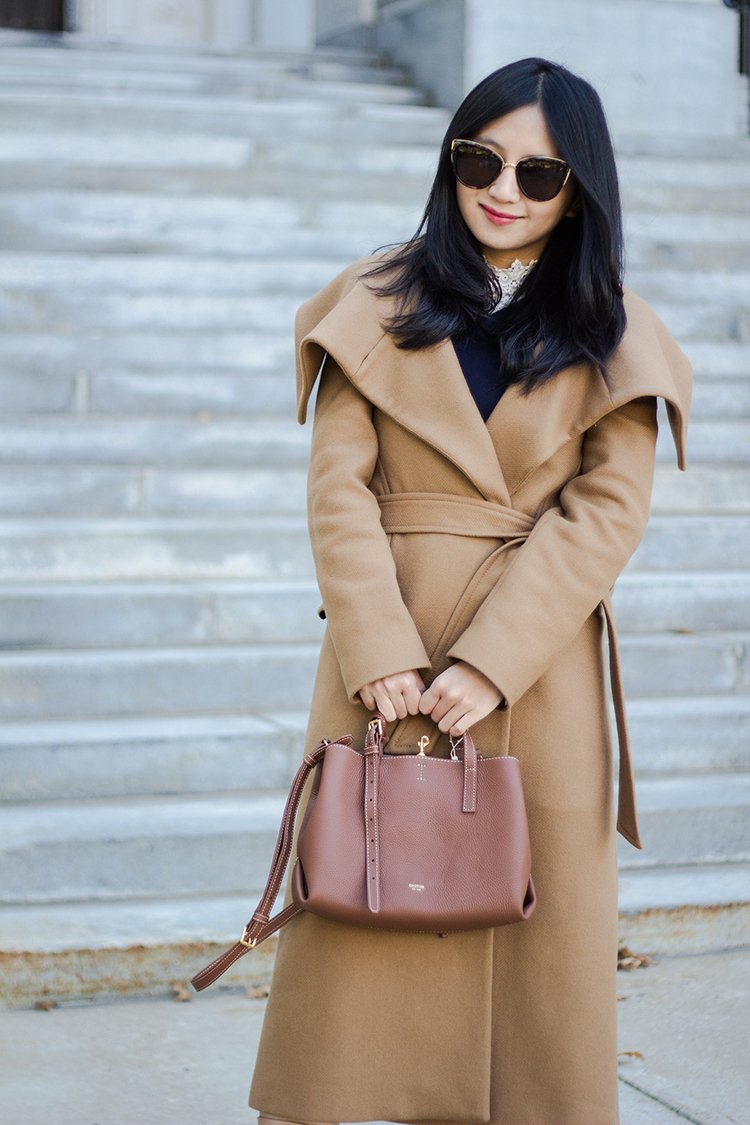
[[249, 943]]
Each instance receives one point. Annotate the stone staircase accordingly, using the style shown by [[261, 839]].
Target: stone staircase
[[161, 217]]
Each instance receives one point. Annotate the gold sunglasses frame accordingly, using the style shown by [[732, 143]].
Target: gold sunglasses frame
[[506, 164]]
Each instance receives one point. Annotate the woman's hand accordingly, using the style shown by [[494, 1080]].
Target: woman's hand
[[394, 696], [458, 698]]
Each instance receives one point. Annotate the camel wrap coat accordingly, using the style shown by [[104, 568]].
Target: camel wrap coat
[[439, 537]]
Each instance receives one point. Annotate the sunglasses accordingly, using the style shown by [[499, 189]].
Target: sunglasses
[[540, 178]]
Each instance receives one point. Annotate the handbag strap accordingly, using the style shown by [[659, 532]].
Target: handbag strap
[[261, 925]]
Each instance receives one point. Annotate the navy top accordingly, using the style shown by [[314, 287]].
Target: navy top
[[479, 355]]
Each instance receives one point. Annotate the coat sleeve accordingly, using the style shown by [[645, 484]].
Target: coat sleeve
[[571, 559], [371, 629]]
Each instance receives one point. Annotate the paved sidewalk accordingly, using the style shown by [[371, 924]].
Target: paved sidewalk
[[160, 1062]]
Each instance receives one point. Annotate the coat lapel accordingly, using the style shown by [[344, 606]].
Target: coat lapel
[[424, 390], [526, 430], [426, 393]]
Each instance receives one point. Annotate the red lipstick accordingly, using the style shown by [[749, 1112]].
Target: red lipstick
[[500, 218]]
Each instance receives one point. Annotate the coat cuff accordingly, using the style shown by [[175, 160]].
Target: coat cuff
[[475, 651], [380, 660]]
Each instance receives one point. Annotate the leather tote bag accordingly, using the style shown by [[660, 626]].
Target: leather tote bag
[[399, 842]]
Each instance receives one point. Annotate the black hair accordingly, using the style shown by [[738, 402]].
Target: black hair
[[572, 309]]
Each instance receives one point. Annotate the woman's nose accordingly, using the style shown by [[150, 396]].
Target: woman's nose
[[505, 187]]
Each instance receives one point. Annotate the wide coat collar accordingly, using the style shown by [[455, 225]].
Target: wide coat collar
[[426, 393]]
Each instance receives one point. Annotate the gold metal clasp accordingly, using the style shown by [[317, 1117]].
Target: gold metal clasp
[[423, 743], [249, 943], [375, 724]]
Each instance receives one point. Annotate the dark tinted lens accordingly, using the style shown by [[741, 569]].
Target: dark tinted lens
[[476, 167], [540, 179]]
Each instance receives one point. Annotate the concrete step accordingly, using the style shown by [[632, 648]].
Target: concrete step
[[690, 542], [270, 609], [373, 115], [147, 145], [108, 491], [57, 275], [677, 664], [65, 310], [112, 292], [349, 85], [71, 358], [104, 388], [691, 820], [40, 352], [383, 154], [646, 181], [715, 441], [68, 311], [121, 948], [205, 680], [669, 286], [684, 602], [257, 439], [686, 909], [707, 489], [380, 170], [148, 847], [172, 549], [185, 846], [254, 440], [690, 733], [118, 221], [209, 547], [713, 359], [69, 760], [265, 611], [112, 491], [207, 394], [721, 398], [101, 758], [158, 70], [711, 319], [47, 278], [240, 678]]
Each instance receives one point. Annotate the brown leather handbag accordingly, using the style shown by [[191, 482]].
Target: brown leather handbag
[[399, 842]]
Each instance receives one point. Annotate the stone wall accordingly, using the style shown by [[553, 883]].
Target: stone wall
[[219, 24], [662, 66]]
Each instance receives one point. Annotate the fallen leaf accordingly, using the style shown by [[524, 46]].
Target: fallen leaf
[[180, 993], [627, 960], [256, 991], [631, 1055], [46, 1005]]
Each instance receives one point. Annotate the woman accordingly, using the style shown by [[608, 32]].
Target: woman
[[480, 473]]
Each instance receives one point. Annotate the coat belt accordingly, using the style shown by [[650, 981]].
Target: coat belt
[[409, 513]]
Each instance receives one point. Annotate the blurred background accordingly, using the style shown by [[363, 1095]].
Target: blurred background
[[175, 178]]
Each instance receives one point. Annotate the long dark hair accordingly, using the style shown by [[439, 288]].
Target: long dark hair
[[572, 308]]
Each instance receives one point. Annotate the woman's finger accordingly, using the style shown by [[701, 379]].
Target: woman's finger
[[453, 716], [367, 698], [412, 696], [384, 705], [399, 705]]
